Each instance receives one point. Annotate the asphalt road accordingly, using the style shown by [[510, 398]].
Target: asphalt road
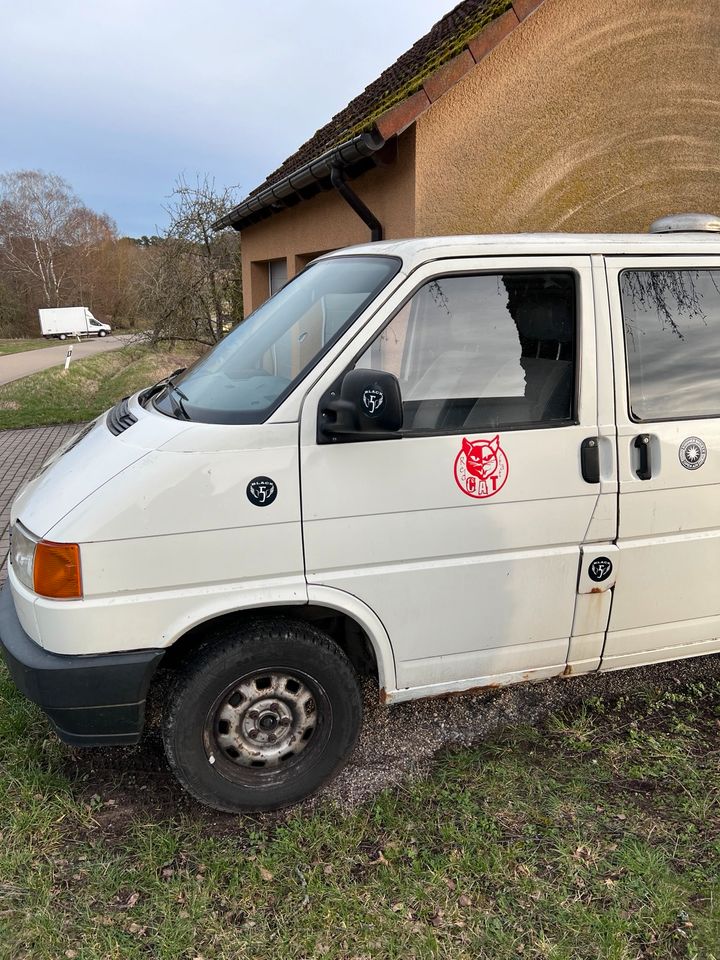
[[14, 366]]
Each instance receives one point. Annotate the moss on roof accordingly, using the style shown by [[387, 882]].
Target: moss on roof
[[447, 38]]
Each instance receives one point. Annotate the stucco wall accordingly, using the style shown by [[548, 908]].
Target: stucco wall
[[593, 115], [326, 222]]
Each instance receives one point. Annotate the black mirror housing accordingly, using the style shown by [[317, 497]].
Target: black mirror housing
[[369, 407]]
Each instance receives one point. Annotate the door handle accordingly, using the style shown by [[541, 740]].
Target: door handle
[[642, 445], [590, 460]]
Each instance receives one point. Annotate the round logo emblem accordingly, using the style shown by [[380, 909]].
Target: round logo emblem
[[692, 453], [481, 468], [373, 400], [600, 569], [261, 491]]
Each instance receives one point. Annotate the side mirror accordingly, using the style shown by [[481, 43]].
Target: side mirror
[[369, 408]]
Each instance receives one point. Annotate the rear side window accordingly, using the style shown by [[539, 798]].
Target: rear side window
[[671, 320], [483, 351]]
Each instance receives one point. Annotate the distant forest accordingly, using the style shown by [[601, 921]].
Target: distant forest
[[55, 252]]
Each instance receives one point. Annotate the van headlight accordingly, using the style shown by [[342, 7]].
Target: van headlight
[[47, 568], [22, 554]]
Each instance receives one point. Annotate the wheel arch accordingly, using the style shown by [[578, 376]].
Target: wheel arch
[[356, 629]]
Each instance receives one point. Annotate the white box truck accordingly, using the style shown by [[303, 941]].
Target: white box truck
[[64, 322]]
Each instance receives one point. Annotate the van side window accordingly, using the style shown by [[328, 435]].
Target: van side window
[[483, 351], [671, 320]]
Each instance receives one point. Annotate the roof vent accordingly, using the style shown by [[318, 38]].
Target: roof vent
[[687, 223]]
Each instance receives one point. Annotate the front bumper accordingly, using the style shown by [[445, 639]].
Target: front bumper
[[90, 700]]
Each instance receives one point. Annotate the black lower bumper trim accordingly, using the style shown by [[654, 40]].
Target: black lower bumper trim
[[90, 699]]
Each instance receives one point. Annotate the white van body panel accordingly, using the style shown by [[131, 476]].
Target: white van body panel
[[146, 620], [451, 594], [151, 497], [469, 591], [152, 568], [69, 476], [665, 604]]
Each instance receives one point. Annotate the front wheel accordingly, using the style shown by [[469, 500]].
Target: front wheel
[[262, 716], [103, 333]]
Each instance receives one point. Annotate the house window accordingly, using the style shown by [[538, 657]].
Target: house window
[[303, 259], [277, 275]]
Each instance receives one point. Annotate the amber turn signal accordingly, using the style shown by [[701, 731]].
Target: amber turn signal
[[56, 572]]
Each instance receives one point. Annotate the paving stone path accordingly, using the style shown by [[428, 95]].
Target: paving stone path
[[22, 452]]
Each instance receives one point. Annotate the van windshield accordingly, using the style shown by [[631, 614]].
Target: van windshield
[[251, 370]]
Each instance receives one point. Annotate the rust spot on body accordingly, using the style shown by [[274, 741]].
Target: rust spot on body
[[567, 672], [467, 692]]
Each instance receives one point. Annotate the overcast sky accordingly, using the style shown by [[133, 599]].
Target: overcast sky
[[120, 96]]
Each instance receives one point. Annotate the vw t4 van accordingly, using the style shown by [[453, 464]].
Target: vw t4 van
[[443, 463]]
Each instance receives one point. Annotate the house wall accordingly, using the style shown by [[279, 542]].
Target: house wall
[[326, 222], [591, 116]]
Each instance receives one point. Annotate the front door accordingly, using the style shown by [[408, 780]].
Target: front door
[[464, 535], [666, 332]]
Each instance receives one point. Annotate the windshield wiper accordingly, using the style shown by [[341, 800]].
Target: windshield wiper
[[157, 387], [177, 405]]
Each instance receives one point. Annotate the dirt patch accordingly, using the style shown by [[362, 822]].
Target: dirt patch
[[396, 744]]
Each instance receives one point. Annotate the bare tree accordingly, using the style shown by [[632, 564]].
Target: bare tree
[[191, 285], [673, 295], [46, 234]]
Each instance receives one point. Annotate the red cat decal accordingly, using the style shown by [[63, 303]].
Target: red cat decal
[[481, 467]]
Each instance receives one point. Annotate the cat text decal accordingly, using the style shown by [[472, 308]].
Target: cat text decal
[[481, 467]]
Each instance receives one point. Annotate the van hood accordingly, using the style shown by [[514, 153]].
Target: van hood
[[88, 461]]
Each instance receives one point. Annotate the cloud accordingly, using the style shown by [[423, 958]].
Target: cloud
[[120, 98]]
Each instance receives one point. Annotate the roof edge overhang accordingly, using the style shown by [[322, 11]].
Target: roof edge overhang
[[353, 157], [363, 151]]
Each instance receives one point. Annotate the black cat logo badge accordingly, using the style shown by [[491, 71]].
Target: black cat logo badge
[[372, 400], [600, 569], [261, 491]]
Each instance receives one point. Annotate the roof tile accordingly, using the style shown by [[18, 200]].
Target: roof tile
[[523, 8], [481, 45], [399, 117], [447, 76]]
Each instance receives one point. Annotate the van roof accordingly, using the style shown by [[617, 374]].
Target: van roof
[[419, 250]]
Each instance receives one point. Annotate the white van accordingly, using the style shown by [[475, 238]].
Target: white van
[[64, 322], [446, 463]]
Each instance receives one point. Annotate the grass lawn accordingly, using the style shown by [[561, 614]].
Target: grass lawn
[[594, 836], [90, 386], [20, 346]]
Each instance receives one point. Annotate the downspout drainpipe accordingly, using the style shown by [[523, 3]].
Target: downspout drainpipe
[[337, 179]]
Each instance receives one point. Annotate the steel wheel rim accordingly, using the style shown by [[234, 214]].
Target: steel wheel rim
[[263, 722]]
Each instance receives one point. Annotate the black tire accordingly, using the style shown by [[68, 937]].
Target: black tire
[[103, 333], [222, 705], [63, 336]]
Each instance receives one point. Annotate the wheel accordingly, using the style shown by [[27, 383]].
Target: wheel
[[262, 716], [63, 336], [103, 333]]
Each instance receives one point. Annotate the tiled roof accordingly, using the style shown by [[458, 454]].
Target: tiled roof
[[456, 32]]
